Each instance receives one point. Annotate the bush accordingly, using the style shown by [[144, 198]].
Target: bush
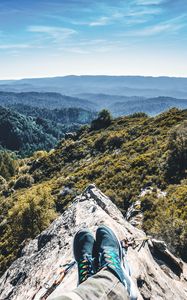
[[115, 141], [8, 164], [104, 120], [28, 214], [24, 181], [39, 154], [3, 183], [31, 214], [165, 218], [100, 143], [138, 115]]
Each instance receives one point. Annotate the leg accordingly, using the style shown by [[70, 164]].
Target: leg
[[102, 286]]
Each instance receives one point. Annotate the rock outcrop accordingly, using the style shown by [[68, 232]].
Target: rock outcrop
[[157, 274]]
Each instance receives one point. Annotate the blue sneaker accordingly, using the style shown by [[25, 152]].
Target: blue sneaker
[[110, 255], [83, 245]]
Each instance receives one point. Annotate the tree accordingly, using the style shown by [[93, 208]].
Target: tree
[[8, 164], [31, 214], [103, 120]]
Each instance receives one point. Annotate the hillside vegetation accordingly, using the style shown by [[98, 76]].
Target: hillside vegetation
[[55, 106], [37, 129], [44, 100], [123, 105], [66, 115], [122, 157]]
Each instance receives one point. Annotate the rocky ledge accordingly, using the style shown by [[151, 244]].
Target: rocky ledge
[[157, 273]]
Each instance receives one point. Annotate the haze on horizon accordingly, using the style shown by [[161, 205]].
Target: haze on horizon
[[43, 38]]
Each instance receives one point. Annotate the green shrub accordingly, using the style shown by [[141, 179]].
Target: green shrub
[[100, 143], [138, 115], [165, 217], [8, 164], [32, 213], [104, 120], [39, 154], [3, 183], [24, 181], [28, 214], [115, 141]]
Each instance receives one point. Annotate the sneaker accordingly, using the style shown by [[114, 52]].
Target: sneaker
[[83, 245], [110, 255]]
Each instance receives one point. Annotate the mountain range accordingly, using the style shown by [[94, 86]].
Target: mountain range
[[112, 85], [118, 105], [38, 115]]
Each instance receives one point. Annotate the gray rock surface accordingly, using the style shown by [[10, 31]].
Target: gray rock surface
[[134, 214], [154, 275]]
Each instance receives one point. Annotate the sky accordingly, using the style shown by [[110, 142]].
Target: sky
[[42, 38]]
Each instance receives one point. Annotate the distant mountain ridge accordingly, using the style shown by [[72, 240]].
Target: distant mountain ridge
[[119, 85], [151, 106], [118, 105]]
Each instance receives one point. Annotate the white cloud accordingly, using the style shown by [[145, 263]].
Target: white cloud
[[57, 33], [101, 21], [93, 46], [135, 13], [154, 30], [14, 46], [149, 2], [171, 26], [77, 50], [148, 11]]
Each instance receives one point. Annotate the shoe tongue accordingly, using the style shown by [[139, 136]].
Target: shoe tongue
[[86, 257], [107, 250], [104, 253]]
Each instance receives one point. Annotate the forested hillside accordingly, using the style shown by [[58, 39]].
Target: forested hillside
[[124, 157], [151, 106], [44, 100], [35, 103], [122, 105], [64, 115], [37, 129]]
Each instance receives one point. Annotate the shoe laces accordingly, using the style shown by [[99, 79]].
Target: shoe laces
[[109, 258], [86, 268]]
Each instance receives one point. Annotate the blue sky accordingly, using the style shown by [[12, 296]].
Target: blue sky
[[131, 37]]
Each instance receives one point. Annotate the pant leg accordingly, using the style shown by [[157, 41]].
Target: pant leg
[[68, 296], [103, 286]]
